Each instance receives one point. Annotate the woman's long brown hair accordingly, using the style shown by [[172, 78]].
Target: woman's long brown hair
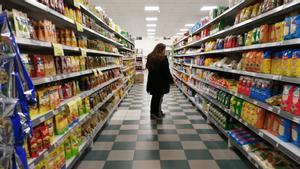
[[156, 56]]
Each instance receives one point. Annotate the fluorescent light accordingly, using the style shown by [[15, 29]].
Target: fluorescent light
[[151, 25], [180, 33], [151, 30], [189, 25], [151, 37], [151, 8], [184, 30], [208, 8], [151, 19], [151, 33]]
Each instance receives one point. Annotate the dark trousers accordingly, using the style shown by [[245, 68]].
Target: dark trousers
[[156, 102]]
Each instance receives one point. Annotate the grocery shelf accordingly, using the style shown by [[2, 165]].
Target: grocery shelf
[[286, 43], [128, 58], [182, 39], [60, 139], [71, 162], [263, 105], [242, 27], [39, 119], [128, 68], [92, 51], [60, 19], [229, 12], [102, 37], [294, 80], [44, 80], [250, 156], [102, 23], [40, 44], [126, 49], [287, 148]]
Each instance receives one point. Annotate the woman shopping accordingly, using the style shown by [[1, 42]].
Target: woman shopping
[[159, 78]]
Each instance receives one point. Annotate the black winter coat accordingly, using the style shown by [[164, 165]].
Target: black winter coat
[[159, 80]]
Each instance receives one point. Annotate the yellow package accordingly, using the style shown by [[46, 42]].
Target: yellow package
[[33, 111], [276, 67], [287, 63], [61, 123], [279, 31], [49, 123], [72, 110], [60, 158], [248, 40], [296, 63], [80, 106], [266, 63], [43, 100]]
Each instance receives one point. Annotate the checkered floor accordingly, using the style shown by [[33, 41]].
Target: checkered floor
[[182, 140]]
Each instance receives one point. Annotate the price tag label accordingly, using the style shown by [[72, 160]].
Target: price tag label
[[58, 49], [261, 134], [79, 27], [83, 52]]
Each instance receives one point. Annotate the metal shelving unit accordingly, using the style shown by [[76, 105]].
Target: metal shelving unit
[[289, 149], [250, 156], [246, 25], [294, 80]]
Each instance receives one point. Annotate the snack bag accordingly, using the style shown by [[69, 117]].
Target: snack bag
[[295, 109], [43, 100], [68, 148], [276, 67], [287, 28], [296, 134], [295, 27], [60, 123], [279, 31], [265, 67], [50, 125], [258, 118], [295, 65], [264, 33], [287, 97], [80, 106], [284, 129], [287, 63], [275, 127]]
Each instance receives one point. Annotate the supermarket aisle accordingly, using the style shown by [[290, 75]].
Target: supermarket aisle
[[183, 140]]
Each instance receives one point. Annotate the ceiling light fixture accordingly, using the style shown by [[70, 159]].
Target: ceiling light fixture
[[151, 37], [189, 25], [151, 33], [151, 19], [151, 25], [208, 8], [180, 33], [184, 30], [151, 8], [151, 30]]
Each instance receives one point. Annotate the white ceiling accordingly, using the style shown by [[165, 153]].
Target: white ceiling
[[173, 15]]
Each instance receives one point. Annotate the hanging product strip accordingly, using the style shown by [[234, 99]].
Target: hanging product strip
[[247, 56], [90, 88]]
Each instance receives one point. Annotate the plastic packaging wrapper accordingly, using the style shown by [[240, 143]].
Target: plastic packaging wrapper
[[16, 93]]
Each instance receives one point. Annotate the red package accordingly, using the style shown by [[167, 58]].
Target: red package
[[64, 65], [39, 65], [35, 144], [45, 136], [287, 97], [58, 65], [296, 102], [67, 89]]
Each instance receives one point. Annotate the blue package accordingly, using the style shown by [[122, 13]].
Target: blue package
[[296, 134], [287, 28], [284, 130], [295, 27]]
